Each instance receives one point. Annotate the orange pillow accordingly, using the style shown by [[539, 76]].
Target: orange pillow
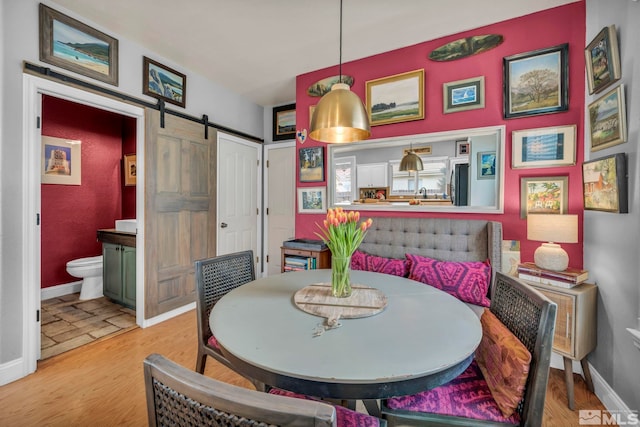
[[504, 362]]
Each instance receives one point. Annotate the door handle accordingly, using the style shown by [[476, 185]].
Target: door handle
[[223, 225]]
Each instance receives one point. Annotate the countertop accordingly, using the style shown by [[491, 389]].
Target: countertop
[[111, 235]]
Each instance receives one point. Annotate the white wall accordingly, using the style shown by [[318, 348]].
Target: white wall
[[611, 244], [19, 42]]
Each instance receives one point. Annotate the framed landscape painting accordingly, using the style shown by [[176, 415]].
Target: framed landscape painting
[[486, 165], [284, 122], [544, 195], [536, 82], [608, 120], [396, 99], [162, 82], [604, 183], [602, 59], [72, 45]]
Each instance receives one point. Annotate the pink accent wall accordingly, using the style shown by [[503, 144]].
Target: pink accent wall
[[564, 24], [71, 214]]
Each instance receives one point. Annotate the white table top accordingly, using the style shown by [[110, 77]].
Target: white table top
[[422, 333]]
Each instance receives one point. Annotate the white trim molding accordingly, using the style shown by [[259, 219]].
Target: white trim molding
[[635, 333]]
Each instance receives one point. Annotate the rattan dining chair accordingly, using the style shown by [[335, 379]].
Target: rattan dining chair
[[177, 396], [467, 401], [215, 277]]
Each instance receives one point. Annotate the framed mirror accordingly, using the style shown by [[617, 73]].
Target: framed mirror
[[366, 175]]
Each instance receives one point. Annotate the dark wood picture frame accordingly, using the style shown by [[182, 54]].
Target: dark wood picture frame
[[602, 60], [604, 183], [549, 66], [98, 59], [311, 164], [284, 122], [162, 82]]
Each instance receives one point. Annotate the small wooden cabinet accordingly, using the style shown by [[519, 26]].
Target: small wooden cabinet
[[318, 258], [575, 333], [119, 273]]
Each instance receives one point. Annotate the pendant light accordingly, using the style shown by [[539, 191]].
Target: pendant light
[[340, 116], [411, 162]]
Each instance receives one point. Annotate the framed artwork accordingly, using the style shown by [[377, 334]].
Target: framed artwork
[[396, 99], [162, 82], [74, 46], [607, 119], [466, 46], [544, 147], [323, 86], [604, 182], [129, 169], [312, 200], [602, 59], [61, 161], [311, 164], [536, 82], [284, 122], [463, 148], [463, 95], [544, 195], [486, 165]]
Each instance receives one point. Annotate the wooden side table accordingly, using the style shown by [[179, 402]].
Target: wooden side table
[[322, 257], [575, 333]]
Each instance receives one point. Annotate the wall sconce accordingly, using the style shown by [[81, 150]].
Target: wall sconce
[[552, 229]]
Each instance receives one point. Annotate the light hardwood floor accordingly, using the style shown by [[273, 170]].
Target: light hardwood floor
[[101, 384]]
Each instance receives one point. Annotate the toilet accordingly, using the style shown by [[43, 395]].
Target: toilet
[[90, 270]]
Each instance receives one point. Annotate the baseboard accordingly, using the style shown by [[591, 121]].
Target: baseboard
[[602, 389], [166, 316], [60, 290], [12, 371]]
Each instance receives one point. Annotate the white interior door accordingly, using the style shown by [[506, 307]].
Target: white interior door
[[238, 195], [280, 184]]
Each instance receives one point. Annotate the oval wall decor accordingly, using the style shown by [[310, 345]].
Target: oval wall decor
[[323, 86], [466, 46]]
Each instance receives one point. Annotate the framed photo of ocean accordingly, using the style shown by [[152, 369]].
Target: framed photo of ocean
[[72, 45]]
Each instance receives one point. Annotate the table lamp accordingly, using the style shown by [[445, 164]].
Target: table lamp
[[552, 229]]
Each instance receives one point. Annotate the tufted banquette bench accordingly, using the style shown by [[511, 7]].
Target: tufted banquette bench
[[442, 239]]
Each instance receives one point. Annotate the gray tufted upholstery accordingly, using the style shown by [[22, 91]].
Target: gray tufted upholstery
[[443, 239]]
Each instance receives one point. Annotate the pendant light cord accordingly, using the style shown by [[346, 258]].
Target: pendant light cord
[[340, 69]]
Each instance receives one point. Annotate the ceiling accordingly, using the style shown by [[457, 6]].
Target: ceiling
[[256, 48]]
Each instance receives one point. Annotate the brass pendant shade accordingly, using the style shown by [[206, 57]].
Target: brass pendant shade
[[411, 162], [340, 117]]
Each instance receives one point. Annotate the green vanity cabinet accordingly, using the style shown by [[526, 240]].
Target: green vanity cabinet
[[119, 273]]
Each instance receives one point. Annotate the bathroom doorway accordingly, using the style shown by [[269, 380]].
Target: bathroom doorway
[[34, 89]]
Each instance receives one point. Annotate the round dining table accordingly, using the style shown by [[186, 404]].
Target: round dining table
[[423, 338]]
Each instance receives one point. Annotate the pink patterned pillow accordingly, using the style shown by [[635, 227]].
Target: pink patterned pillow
[[364, 261], [467, 281]]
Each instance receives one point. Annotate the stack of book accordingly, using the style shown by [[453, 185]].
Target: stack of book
[[565, 279], [294, 263]]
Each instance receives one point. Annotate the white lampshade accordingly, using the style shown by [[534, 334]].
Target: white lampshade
[[551, 229]]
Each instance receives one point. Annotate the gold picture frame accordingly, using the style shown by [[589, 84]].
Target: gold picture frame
[[396, 99], [130, 169]]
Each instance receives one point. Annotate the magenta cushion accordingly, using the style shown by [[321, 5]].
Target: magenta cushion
[[467, 396], [467, 281], [345, 417], [364, 261], [213, 342]]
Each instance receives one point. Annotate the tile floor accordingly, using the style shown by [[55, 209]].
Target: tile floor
[[68, 323]]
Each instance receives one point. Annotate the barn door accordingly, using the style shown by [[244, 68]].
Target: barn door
[[180, 209]]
